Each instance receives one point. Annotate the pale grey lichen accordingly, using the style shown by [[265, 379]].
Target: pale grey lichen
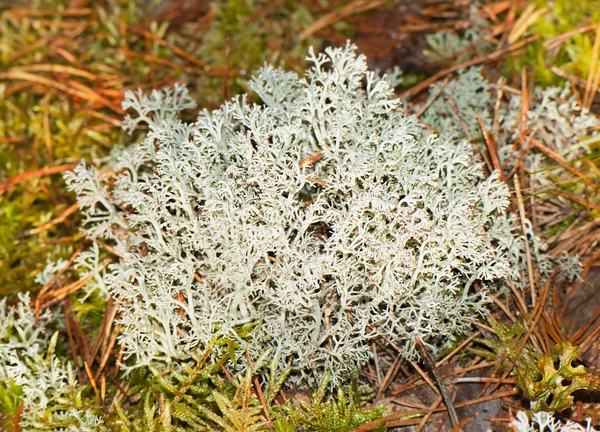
[[326, 216], [27, 359], [546, 422], [554, 121], [454, 112], [461, 46], [554, 118]]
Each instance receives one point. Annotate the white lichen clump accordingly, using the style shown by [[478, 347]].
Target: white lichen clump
[[324, 216]]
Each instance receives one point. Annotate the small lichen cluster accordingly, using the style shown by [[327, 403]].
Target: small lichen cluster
[[546, 422], [325, 216], [50, 396], [550, 142]]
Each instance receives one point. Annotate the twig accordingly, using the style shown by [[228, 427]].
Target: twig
[[430, 362]]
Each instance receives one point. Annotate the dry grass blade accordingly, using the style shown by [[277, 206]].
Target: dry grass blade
[[529, 17], [588, 95]]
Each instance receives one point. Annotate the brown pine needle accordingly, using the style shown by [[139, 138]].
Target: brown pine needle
[[204, 67], [425, 378], [534, 319], [527, 248], [432, 99], [561, 160], [49, 12], [58, 219], [425, 84], [88, 372], [311, 159], [576, 199], [460, 425], [560, 39], [390, 420], [107, 352], [415, 382], [55, 68], [56, 277], [64, 292], [529, 17], [357, 6], [493, 151], [6, 185]]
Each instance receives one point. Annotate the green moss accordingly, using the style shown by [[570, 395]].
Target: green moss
[[548, 381], [574, 56]]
